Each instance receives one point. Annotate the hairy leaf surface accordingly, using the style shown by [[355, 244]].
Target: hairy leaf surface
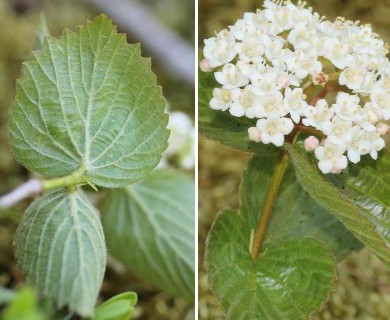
[[289, 281], [119, 307], [221, 126], [89, 100], [60, 248], [150, 226], [366, 221], [295, 271]]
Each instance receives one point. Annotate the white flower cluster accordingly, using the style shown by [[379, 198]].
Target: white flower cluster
[[181, 142], [289, 68]]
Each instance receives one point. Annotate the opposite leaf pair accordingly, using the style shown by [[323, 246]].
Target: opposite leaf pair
[[88, 110]]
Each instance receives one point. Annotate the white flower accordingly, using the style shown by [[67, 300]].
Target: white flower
[[359, 144], [243, 28], [353, 78], [273, 106], [380, 99], [339, 53], [331, 157], [294, 101], [338, 131], [222, 99], [272, 59], [181, 142], [265, 83], [301, 36], [273, 129], [377, 144], [245, 103], [303, 63], [249, 49], [282, 17], [318, 116], [219, 50], [273, 46], [231, 77], [347, 107]]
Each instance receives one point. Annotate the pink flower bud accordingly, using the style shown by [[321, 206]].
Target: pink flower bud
[[284, 80], [336, 171], [382, 128], [254, 134], [311, 143], [205, 66]]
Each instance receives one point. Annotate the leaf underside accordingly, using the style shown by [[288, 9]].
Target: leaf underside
[[150, 228], [89, 99], [60, 248]]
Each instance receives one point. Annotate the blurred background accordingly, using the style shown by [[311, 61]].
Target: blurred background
[[165, 29], [363, 289]]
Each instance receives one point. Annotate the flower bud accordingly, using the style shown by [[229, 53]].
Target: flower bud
[[254, 134], [205, 66], [311, 143], [382, 128]]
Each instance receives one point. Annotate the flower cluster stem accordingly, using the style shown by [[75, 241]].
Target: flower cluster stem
[[269, 203]]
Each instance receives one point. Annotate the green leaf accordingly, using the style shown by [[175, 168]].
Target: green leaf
[[60, 248], [24, 306], [120, 307], [289, 281], [221, 126], [367, 185], [368, 226], [89, 100], [296, 214], [150, 226]]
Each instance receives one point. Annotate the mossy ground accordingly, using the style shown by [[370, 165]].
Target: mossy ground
[[363, 289]]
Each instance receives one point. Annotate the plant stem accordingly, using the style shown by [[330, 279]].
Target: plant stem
[[76, 177], [309, 130], [24, 191], [276, 181]]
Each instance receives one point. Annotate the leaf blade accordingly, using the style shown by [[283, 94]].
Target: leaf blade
[[77, 105], [295, 213], [276, 286], [159, 212], [351, 215], [60, 248]]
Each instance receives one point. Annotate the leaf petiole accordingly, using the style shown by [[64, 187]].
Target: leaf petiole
[[75, 178]]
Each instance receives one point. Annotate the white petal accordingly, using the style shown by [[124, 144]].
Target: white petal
[[341, 163], [237, 110], [353, 156], [277, 139], [325, 166], [220, 77], [319, 153]]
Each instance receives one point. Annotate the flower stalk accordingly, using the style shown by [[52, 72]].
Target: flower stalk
[[269, 203]]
